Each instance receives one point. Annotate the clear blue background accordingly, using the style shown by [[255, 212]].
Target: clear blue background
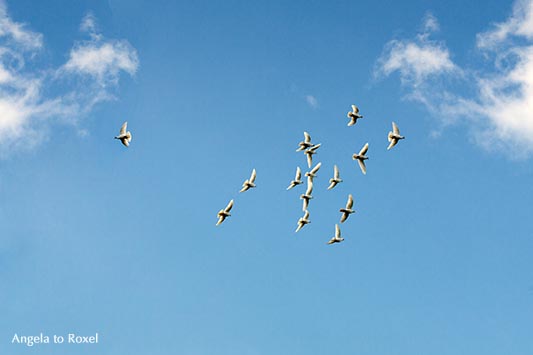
[[95, 237]]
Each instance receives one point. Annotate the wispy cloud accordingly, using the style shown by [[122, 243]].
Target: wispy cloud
[[311, 101], [27, 110], [500, 108]]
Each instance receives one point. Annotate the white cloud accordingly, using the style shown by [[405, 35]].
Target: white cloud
[[416, 59], [311, 101], [27, 111], [103, 60], [500, 106]]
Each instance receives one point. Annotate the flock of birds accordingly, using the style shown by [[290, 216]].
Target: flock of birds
[[309, 150]]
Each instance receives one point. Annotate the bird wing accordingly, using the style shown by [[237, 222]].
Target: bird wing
[[305, 204], [362, 165], [395, 129], [332, 185], [291, 185], [315, 147], [125, 141], [349, 203], [300, 225], [364, 149], [344, 217], [337, 231], [309, 160], [307, 137], [355, 109], [229, 206], [306, 214], [309, 190], [123, 128], [352, 121], [316, 168], [252, 177], [336, 173], [220, 220], [393, 142], [298, 174]]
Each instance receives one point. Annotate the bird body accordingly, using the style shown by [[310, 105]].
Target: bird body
[[307, 196], [249, 183], [310, 152], [222, 214], [124, 136], [353, 115], [313, 171], [337, 238], [346, 212], [336, 178], [303, 221], [394, 136], [306, 143], [361, 157], [297, 179]]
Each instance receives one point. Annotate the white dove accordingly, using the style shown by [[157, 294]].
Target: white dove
[[336, 178], [222, 214], [125, 137], [248, 184], [353, 115], [337, 238], [306, 143], [307, 196], [309, 152], [394, 136], [361, 157], [303, 221], [313, 172], [297, 179], [346, 212]]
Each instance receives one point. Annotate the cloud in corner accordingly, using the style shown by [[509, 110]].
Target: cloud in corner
[[27, 112], [499, 109]]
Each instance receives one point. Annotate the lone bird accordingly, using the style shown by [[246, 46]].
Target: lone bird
[[307, 196], [306, 143], [353, 115], [336, 178], [297, 179], [222, 214], [303, 221], [248, 184], [361, 157], [394, 136], [310, 152], [125, 137], [311, 174], [337, 238], [346, 212]]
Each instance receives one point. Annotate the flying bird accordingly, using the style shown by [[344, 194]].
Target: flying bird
[[222, 214], [353, 115], [346, 212], [306, 143], [361, 157], [311, 174], [336, 178], [248, 184], [310, 152], [297, 179], [307, 196], [303, 221], [394, 136], [125, 137], [337, 238]]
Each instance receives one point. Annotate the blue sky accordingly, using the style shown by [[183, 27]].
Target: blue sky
[[96, 237]]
